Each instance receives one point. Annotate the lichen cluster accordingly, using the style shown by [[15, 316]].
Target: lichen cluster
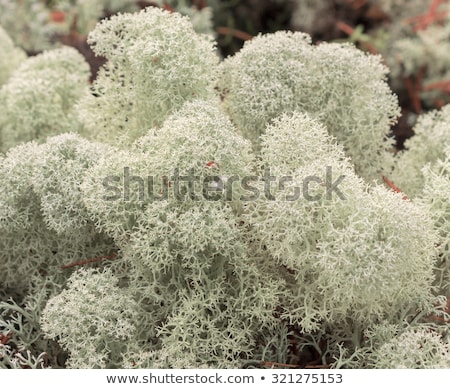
[[189, 213]]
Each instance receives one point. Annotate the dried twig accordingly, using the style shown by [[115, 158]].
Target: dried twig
[[290, 366], [357, 4], [414, 87], [443, 85], [235, 33], [91, 260]]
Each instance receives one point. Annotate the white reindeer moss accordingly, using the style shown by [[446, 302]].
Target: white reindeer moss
[[38, 99], [225, 215], [353, 254], [432, 137], [92, 319], [156, 62], [42, 221], [10, 56], [436, 195], [336, 83], [198, 140], [415, 348]]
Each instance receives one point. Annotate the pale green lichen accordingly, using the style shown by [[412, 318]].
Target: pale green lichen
[[353, 254], [243, 258], [92, 319], [340, 85], [432, 134], [156, 62], [37, 181], [10, 56], [436, 195], [188, 250], [192, 137], [38, 100], [415, 348], [29, 25]]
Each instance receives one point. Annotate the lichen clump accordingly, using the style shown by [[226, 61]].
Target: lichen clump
[[197, 214]]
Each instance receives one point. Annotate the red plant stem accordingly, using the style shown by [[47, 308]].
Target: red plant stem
[[200, 4], [419, 78], [168, 7], [391, 185], [442, 85], [357, 4], [344, 27], [317, 366], [439, 319], [278, 365], [235, 33], [86, 261], [446, 310], [422, 22], [413, 95], [4, 338]]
